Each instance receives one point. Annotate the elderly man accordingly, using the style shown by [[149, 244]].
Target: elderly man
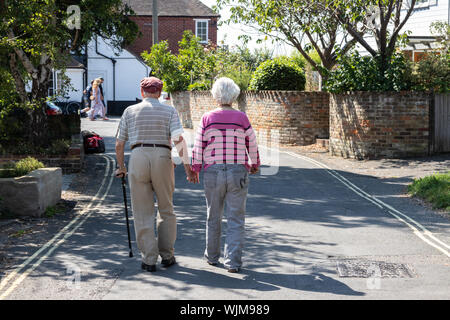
[[149, 128]]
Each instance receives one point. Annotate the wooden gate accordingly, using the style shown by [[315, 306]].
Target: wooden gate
[[441, 123]]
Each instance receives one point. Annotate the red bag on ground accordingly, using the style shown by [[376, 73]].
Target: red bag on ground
[[93, 143]]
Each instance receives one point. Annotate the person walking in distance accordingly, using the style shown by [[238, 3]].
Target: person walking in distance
[[86, 100], [97, 106], [149, 127], [102, 95]]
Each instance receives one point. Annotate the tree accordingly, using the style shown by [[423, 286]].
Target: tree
[[294, 21], [383, 19], [39, 36], [194, 62], [197, 65], [432, 73], [196, 59], [166, 66], [441, 30]]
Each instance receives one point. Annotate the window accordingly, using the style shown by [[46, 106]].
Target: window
[[201, 30], [424, 3], [59, 82], [56, 83], [51, 81]]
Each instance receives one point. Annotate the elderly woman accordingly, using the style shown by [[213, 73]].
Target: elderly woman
[[224, 143]]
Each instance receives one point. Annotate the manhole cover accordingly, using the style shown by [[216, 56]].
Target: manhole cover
[[376, 269]]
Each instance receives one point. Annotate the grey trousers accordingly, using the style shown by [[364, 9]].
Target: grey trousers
[[226, 186], [151, 172]]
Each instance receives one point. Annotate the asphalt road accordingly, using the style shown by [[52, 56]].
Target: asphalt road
[[311, 233]]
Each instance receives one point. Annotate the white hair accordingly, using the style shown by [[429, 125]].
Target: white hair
[[225, 90]]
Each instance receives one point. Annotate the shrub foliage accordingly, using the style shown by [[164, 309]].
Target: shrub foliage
[[278, 74], [20, 168], [363, 73]]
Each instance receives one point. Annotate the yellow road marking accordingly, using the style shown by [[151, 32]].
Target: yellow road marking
[[65, 231]]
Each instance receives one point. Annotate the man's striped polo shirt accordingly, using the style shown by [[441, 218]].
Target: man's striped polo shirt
[[149, 122]]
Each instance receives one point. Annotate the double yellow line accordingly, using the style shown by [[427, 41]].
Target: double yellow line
[[13, 280]]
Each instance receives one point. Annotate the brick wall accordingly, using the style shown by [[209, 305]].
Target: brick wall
[[170, 28], [369, 125], [72, 162], [293, 117]]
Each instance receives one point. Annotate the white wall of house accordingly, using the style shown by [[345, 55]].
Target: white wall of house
[[425, 12], [128, 74], [76, 81], [128, 71]]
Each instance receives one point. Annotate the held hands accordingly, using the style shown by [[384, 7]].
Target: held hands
[[191, 175], [254, 170]]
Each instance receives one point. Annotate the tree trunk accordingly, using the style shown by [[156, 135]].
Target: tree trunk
[[38, 133], [39, 128], [20, 84]]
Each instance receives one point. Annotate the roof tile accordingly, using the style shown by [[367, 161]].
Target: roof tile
[[172, 8]]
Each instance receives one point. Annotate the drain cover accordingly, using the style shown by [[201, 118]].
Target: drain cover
[[375, 269]]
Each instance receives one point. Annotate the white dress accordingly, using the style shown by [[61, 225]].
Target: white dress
[[97, 106]]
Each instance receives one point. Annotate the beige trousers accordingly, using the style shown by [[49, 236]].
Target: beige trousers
[[151, 172]]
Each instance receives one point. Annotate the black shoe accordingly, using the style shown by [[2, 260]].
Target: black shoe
[[148, 267], [212, 263], [168, 262], [233, 270]]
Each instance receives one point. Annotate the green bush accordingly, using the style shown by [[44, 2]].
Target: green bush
[[432, 73], [363, 73], [20, 168], [200, 86], [434, 188], [58, 147], [241, 77], [278, 74]]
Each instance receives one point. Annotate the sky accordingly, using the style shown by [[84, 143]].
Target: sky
[[230, 34]]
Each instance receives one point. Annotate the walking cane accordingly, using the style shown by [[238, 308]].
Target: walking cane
[[126, 213]]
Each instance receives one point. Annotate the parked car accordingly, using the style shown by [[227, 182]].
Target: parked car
[[52, 109], [165, 98]]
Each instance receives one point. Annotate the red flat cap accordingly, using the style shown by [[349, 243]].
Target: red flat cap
[[151, 84]]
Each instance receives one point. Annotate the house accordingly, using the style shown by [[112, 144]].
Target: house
[[420, 38], [174, 17], [122, 70]]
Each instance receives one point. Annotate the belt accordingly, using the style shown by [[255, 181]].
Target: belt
[[150, 145]]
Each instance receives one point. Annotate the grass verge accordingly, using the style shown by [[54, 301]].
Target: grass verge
[[434, 189]]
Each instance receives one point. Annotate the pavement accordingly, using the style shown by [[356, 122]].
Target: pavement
[[314, 230]]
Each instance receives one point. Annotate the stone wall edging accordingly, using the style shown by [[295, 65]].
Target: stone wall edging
[[70, 163], [32, 194]]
